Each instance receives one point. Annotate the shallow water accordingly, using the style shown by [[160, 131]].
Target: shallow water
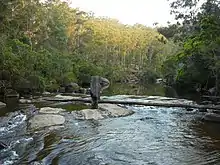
[[152, 135]]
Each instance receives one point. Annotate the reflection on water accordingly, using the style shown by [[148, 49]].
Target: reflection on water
[[152, 135], [131, 89]]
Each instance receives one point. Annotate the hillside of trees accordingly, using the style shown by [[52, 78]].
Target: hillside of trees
[[44, 45]]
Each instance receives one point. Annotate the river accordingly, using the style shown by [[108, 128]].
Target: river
[[151, 136]]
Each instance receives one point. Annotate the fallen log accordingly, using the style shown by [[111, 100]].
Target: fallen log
[[128, 102]]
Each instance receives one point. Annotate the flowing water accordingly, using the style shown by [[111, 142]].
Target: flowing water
[[151, 136]]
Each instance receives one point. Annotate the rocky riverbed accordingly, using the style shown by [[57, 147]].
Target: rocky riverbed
[[64, 133]]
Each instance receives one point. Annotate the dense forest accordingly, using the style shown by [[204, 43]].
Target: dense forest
[[44, 45], [195, 68]]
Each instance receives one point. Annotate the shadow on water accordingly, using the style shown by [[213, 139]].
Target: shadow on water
[[148, 90]]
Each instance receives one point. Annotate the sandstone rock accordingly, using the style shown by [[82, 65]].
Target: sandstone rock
[[104, 111], [46, 120], [115, 110]]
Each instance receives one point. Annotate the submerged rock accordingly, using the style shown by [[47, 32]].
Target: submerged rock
[[104, 111], [211, 117], [46, 120], [2, 105]]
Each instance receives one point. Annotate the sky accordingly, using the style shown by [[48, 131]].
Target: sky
[[129, 12]]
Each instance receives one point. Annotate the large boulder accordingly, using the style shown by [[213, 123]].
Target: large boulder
[[72, 87], [46, 120], [211, 117], [104, 111]]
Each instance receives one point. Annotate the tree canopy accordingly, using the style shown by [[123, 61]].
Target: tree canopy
[[54, 42], [197, 64]]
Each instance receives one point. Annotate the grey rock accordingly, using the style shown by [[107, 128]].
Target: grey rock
[[104, 111], [71, 87], [115, 110], [46, 120]]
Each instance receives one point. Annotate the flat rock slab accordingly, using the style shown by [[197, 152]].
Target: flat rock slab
[[104, 111], [2, 105], [46, 120], [50, 110], [115, 110], [87, 114], [147, 99]]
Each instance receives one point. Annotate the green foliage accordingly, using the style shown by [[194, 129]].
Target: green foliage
[[56, 44], [148, 77], [85, 71], [197, 64]]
